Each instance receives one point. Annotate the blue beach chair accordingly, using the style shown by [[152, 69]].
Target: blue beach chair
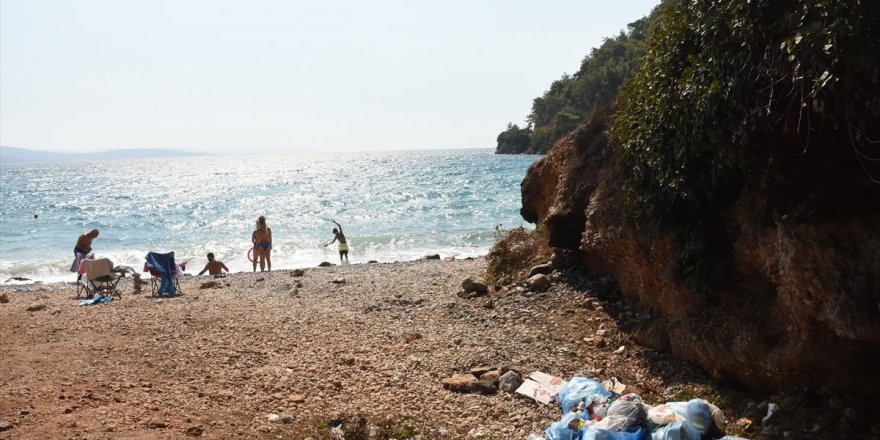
[[164, 273]]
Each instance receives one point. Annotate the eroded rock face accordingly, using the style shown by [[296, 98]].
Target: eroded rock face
[[802, 306]]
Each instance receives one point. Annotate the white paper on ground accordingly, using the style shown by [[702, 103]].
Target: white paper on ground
[[541, 386], [540, 393], [552, 382]]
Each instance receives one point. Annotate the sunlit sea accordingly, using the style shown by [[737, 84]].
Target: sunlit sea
[[393, 206]]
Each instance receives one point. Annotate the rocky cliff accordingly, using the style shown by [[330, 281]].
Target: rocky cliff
[[801, 305]]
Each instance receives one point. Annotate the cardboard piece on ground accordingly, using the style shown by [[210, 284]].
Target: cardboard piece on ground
[[541, 386], [552, 382]]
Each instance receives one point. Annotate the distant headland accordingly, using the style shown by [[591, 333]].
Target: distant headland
[[10, 155]]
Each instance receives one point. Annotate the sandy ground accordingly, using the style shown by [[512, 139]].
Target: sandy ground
[[361, 339]]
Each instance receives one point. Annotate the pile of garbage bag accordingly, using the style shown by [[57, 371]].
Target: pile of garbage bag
[[591, 412]]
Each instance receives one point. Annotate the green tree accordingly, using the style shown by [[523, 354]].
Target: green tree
[[514, 139], [572, 98]]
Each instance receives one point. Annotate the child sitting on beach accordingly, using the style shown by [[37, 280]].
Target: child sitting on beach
[[214, 267]]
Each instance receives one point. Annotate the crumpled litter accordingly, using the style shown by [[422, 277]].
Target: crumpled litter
[[588, 415], [771, 408]]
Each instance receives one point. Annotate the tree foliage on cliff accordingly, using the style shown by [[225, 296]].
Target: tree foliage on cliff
[[572, 98], [514, 139], [726, 87]]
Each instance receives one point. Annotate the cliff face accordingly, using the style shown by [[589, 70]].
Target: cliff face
[[802, 304]]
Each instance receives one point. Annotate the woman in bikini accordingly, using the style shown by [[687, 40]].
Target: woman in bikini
[[262, 239]]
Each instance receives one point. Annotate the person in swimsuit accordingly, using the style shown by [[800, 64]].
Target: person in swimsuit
[[262, 240], [84, 243], [343, 245], [214, 267]]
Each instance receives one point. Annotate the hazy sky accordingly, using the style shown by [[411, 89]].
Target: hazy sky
[[276, 76]]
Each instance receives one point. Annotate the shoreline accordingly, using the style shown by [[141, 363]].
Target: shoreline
[[12, 282]]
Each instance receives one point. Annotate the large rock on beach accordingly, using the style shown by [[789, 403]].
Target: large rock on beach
[[488, 382], [4, 298], [475, 285], [539, 282], [545, 269], [36, 307], [463, 383], [510, 381]]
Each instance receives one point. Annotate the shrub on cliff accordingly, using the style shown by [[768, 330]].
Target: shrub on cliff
[[515, 252], [726, 88]]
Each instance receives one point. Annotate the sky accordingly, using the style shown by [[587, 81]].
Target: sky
[[284, 76]]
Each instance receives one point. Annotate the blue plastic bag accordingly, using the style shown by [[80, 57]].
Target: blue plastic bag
[[560, 430], [581, 389], [634, 433], [695, 411], [676, 431]]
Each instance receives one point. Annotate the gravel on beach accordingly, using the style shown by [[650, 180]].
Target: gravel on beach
[[373, 339]]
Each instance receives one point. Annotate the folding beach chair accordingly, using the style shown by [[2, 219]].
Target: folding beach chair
[[164, 273], [100, 278]]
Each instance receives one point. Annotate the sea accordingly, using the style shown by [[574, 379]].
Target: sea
[[393, 206]]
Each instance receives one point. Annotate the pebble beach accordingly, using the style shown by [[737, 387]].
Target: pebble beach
[[279, 354]]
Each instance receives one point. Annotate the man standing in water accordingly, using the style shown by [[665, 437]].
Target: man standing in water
[[84, 243], [262, 240], [343, 245]]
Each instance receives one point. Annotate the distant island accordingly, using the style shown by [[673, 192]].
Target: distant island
[[10, 155]]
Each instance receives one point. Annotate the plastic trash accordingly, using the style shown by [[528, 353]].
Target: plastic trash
[[628, 410], [771, 408], [614, 385], [635, 433], [676, 431], [562, 430], [581, 389], [696, 411], [599, 411], [744, 423]]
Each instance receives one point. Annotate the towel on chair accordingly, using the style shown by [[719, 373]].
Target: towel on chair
[[164, 264], [98, 268]]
